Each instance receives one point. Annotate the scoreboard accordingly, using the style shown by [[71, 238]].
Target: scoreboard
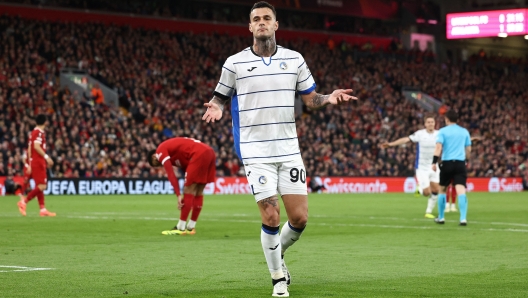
[[490, 23]]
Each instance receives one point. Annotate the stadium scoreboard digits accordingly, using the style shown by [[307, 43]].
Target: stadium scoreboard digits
[[491, 23]]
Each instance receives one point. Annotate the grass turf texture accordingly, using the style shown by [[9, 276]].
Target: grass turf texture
[[354, 245]]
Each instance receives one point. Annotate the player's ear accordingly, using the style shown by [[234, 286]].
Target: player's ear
[[276, 26], [250, 29]]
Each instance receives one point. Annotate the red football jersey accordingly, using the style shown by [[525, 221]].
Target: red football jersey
[[178, 152], [38, 136]]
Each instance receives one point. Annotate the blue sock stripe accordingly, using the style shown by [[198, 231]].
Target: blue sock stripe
[[270, 230], [296, 229]]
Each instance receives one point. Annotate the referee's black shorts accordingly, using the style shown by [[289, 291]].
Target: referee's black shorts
[[453, 170]]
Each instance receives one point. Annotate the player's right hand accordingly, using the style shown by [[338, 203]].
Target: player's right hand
[[385, 145], [180, 202], [28, 170], [213, 113], [49, 161]]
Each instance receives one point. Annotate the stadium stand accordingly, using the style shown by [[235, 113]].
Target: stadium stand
[[163, 79], [226, 12]]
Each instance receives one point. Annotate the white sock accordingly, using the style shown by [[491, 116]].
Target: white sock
[[43, 210], [448, 206], [181, 225], [272, 251], [288, 236], [191, 225], [431, 203]]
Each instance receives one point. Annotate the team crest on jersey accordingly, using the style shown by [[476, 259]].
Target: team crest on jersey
[[283, 66], [263, 180]]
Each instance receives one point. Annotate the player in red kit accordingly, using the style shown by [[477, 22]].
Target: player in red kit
[[198, 161], [38, 160]]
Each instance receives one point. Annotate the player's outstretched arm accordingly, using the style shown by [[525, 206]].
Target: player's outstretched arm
[[316, 101], [215, 108], [398, 142]]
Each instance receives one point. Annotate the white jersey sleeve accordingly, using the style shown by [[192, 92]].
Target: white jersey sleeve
[[306, 83], [227, 84], [415, 137]]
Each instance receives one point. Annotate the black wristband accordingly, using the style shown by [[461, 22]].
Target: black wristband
[[435, 159]]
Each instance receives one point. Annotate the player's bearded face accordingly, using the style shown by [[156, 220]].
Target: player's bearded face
[[263, 23]]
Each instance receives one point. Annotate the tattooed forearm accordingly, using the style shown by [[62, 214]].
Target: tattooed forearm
[[220, 102], [318, 101], [273, 201]]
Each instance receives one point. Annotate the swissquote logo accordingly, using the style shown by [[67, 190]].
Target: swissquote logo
[[494, 185], [409, 186]]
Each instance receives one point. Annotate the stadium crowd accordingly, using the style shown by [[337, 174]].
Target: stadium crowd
[[163, 79], [226, 13]]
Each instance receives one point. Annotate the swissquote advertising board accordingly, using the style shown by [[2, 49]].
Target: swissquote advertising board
[[239, 185]]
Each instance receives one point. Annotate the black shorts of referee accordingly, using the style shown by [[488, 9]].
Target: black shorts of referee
[[453, 170]]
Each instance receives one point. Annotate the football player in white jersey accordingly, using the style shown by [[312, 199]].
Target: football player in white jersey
[[261, 82], [428, 180]]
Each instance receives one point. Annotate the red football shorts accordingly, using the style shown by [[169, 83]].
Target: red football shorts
[[38, 173], [201, 168]]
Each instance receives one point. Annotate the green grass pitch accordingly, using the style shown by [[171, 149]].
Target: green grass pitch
[[354, 246]]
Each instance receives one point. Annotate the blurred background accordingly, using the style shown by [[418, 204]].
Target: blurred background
[[117, 78]]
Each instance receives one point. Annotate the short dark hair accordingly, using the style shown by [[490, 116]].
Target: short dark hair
[[263, 4], [452, 116], [149, 156], [41, 119]]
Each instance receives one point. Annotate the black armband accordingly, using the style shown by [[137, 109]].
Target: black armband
[[221, 96], [435, 159]]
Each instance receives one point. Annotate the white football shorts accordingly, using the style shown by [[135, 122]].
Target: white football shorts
[[285, 178], [426, 176]]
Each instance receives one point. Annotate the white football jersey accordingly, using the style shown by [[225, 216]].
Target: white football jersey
[[262, 92], [426, 144]]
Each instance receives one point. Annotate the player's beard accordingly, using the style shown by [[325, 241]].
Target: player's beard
[[265, 45]]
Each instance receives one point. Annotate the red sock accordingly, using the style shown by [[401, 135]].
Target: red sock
[[40, 198], [197, 207], [453, 195], [32, 194], [187, 206]]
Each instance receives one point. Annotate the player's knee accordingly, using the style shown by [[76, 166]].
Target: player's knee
[[426, 192], [299, 221], [271, 219], [42, 186], [190, 189]]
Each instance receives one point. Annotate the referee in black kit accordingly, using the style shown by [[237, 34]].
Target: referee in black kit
[[454, 142]]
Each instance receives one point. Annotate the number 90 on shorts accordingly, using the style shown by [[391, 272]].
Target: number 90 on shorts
[[266, 180]]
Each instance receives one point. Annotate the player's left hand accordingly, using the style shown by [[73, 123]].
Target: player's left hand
[[341, 96], [180, 201], [434, 167]]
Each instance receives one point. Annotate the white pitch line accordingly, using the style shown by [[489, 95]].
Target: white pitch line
[[23, 268], [321, 224]]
